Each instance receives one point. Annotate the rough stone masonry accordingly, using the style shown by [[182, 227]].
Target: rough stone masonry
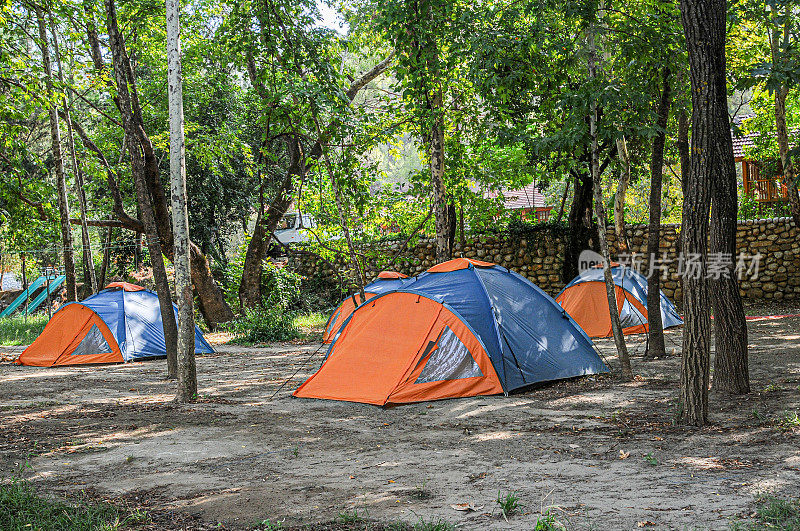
[[539, 257]]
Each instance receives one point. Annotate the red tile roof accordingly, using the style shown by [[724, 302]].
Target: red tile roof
[[525, 197]]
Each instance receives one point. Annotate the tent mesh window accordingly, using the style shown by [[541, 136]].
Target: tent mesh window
[[92, 343], [450, 361]]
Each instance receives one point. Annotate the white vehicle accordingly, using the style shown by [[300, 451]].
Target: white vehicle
[[291, 229]]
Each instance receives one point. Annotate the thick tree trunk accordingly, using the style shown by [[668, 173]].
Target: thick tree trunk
[[187, 372], [704, 28], [58, 161], [619, 198], [89, 277], [600, 211], [731, 373], [655, 339], [580, 225], [143, 195]]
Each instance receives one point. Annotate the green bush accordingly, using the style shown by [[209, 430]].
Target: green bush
[[262, 325]]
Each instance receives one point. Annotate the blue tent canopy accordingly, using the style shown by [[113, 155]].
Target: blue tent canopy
[[134, 318]]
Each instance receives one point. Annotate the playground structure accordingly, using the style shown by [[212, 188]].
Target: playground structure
[[35, 294]]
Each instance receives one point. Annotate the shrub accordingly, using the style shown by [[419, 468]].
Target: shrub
[[262, 325]]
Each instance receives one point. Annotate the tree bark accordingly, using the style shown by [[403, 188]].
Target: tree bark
[[143, 193], [731, 373], [89, 277], [599, 205], [655, 326], [439, 199], [187, 372], [58, 161], [619, 198], [704, 28], [579, 222]]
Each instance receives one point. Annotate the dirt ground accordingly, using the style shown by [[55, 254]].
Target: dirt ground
[[605, 454]]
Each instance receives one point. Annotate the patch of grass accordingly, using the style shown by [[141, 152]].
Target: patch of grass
[[16, 330], [772, 388], [350, 517], [790, 421], [548, 521], [509, 504], [22, 508], [311, 325], [651, 459], [433, 525], [773, 512], [268, 525]]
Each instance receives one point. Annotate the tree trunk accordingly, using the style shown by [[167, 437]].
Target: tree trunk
[[599, 205], [211, 299], [143, 194], [731, 373], [619, 198], [579, 222], [441, 217], [704, 28], [655, 326], [187, 372], [89, 277], [106, 258], [789, 176], [58, 161], [782, 134]]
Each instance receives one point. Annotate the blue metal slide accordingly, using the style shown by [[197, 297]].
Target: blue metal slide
[[43, 295], [25, 295]]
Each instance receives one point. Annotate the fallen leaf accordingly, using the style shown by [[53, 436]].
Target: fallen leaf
[[646, 523], [466, 507], [623, 454], [352, 477]]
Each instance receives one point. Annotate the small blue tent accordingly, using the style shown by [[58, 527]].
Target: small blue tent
[[463, 328], [120, 323]]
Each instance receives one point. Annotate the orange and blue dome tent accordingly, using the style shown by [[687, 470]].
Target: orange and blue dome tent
[[585, 299], [120, 323], [463, 328], [386, 281]]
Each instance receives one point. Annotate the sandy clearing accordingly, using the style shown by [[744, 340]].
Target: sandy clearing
[[237, 457]]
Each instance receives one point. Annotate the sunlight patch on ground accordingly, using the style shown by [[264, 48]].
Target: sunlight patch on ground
[[494, 436]]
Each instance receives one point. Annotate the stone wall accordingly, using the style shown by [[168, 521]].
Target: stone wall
[[539, 256]]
